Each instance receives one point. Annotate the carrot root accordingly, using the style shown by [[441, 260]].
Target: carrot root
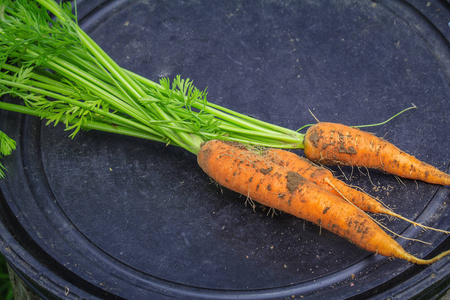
[[387, 211], [337, 144], [419, 261], [418, 224], [325, 179], [262, 180]]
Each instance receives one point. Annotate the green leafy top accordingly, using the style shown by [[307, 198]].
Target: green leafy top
[[63, 76], [7, 145]]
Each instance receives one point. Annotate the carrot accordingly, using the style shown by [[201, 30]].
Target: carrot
[[337, 144], [324, 178], [253, 175]]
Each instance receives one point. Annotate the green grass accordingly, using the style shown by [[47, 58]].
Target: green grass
[[6, 291]]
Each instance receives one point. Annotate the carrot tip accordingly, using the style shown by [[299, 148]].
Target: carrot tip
[[420, 261]]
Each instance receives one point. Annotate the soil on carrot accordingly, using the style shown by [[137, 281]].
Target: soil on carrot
[[342, 148], [266, 171], [317, 135], [293, 181]]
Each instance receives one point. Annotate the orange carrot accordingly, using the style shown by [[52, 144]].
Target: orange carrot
[[253, 175], [324, 178], [336, 144]]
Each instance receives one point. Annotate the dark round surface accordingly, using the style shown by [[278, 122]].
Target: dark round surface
[[115, 217]]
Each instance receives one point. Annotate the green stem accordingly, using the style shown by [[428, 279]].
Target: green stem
[[54, 86], [89, 124], [133, 86], [54, 9], [192, 143], [118, 73], [110, 65], [85, 76], [83, 105], [236, 121], [263, 133], [92, 84]]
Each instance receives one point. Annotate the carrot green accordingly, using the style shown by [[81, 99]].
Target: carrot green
[[61, 75]]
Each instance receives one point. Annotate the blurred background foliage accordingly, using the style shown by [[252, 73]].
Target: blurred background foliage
[[6, 291]]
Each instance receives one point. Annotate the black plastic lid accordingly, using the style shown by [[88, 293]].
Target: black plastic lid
[[112, 217]]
